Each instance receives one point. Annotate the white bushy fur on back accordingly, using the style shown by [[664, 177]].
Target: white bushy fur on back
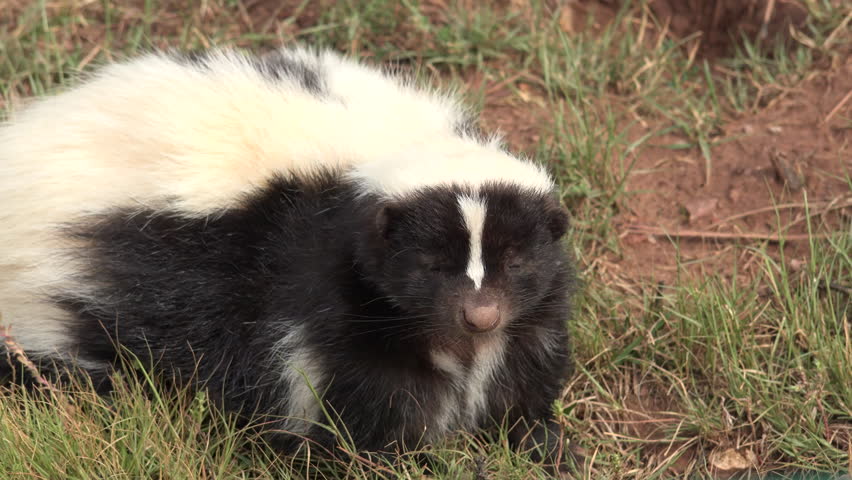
[[454, 161], [158, 129]]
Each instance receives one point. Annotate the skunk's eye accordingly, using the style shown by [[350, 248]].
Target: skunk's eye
[[512, 260]]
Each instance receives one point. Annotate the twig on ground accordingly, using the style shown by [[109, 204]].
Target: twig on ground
[[837, 287], [656, 231], [840, 28], [838, 106], [827, 204]]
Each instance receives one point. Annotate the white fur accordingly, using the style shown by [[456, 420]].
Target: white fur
[[473, 212], [469, 401], [447, 418], [488, 361], [451, 161], [448, 364], [304, 377]]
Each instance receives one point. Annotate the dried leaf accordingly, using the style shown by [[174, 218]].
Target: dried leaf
[[566, 19], [785, 170]]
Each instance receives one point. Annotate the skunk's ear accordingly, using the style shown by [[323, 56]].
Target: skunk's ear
[[388, 219], [557, 219]]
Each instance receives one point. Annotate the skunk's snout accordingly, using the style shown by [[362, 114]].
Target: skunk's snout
[[481, 313]]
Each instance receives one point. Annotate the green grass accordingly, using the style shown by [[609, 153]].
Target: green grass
[[761, 362]]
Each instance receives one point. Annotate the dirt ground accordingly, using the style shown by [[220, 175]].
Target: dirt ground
[[766, 168], [794, 153]]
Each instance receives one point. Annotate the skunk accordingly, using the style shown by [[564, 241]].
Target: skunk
[[309, 238]]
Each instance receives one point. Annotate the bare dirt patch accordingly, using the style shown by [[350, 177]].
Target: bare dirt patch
[[752, 194]]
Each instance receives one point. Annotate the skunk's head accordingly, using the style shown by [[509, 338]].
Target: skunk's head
[[467, 258]]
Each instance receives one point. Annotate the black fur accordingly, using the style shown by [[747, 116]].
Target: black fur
[[195, 58], [469, 127], [374, 286], [278, 65], [275, 67]]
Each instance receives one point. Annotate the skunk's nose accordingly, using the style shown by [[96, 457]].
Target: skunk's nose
[[480, 315]]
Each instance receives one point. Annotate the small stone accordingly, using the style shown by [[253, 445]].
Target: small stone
[[700, 208], [734, 195]]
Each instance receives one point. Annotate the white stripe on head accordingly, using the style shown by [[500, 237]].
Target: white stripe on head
[[473, 214]]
